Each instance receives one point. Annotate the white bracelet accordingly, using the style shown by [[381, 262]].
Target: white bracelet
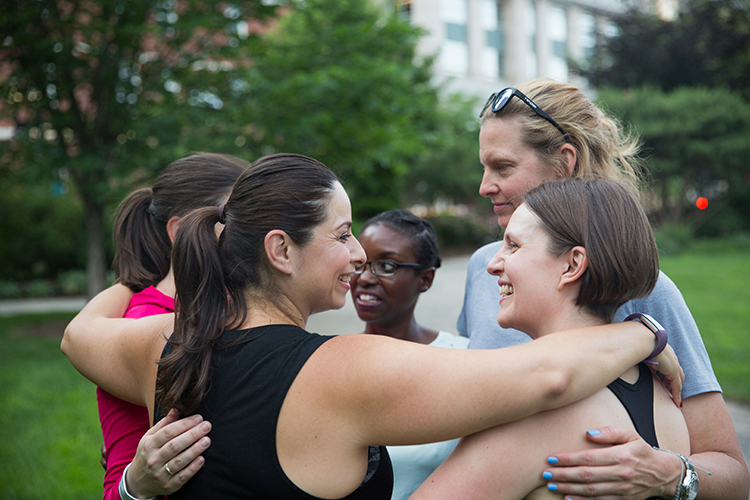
[[123, 489]]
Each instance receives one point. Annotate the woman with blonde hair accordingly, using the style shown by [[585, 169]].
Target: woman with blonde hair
[[544, 130]]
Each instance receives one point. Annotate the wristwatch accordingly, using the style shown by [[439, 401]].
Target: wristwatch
[[655, 327], [687, 488]]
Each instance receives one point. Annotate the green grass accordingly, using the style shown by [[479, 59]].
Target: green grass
[[50, 436], [716, 285]]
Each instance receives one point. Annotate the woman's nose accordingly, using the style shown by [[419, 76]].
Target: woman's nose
[[358, 256], [487, 187], [497, 264]]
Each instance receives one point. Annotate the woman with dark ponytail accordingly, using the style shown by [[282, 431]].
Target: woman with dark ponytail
[[145, 225], [297, 415]]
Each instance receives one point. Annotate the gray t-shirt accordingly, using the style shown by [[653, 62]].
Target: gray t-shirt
[[478, 321]]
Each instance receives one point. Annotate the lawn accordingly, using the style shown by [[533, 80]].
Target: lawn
[[716, 287], [51, 440], [50, 445]]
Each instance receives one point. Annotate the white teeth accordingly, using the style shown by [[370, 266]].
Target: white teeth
[[366, 297], [346, 278], [506, 290]]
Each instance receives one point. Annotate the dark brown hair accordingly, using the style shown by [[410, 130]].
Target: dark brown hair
[[420, 231], [607, 220], [214, 275], [142, 245]]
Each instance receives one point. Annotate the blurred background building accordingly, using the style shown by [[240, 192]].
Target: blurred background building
[[485, 45]]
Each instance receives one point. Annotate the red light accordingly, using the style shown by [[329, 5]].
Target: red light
[[701, 203]]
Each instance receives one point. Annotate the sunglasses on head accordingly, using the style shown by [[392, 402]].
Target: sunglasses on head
[[498, 100]]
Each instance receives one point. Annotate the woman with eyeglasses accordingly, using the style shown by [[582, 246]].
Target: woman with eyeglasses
[[403, 255], [562, 265], [544, 130], [300, 415]]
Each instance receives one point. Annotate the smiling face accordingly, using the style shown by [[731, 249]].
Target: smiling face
[[510, 167], [387, 300], [528, 276], [327, 261]]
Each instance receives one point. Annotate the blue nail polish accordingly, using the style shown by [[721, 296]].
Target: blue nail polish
[[547, 475], [594, 432], [551, 460], [552, 487]]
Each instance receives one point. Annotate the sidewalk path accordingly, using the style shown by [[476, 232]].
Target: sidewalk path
[[439, 308]]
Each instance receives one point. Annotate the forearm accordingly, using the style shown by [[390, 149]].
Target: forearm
[[588, 359], [715, 448], [728, 480], [96, 316]]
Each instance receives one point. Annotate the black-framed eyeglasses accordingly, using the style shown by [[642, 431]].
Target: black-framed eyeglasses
[[498, 100], [385, 268]]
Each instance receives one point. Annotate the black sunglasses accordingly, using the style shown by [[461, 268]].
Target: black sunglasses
[[498, 100]]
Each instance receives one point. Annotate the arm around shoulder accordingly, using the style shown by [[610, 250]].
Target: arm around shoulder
[[116, 354]]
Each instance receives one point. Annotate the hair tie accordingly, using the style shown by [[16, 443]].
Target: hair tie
[[222, 217]]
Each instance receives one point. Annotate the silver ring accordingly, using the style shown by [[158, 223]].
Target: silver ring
[[166, 466]]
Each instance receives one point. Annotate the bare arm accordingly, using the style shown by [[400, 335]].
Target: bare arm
[[714, 446], [119, 355], [455, 393]]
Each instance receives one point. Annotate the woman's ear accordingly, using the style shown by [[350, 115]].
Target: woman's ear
[[173, 224], [277, 246], [571, 157], [577, 265], [425, 281]]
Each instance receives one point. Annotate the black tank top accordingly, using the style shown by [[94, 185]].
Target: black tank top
[[249, 382], [638, 400]]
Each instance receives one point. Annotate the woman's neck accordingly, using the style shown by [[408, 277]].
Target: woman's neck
[[567, 319], [261, 312], [166, 285]]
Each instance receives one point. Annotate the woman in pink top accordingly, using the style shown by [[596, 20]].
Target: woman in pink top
[[145, 227]]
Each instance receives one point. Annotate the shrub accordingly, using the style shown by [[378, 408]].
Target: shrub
[[72, 282], [9, 290], [672, 239], [39, 288]]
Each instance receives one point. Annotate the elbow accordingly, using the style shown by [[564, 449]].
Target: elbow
[[65, 344], [558, 385]]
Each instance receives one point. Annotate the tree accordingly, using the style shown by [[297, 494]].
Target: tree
[[339, 80], [707, 45], [696, 142], [108, 92]]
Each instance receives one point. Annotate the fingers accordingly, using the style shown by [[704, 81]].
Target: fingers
[[168, 455], [621, 470], [178, 434], [194, 462], [600, 491], [674, 376], [599, 456], [103, 460]]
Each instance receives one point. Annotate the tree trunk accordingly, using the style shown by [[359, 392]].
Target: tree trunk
[[96, 267]]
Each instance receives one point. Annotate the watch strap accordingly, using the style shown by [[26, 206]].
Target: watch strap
[[656, 328]]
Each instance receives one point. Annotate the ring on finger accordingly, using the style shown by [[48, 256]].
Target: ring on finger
[[166, 467]]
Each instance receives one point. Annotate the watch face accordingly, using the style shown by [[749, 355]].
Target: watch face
[[692, 485], [651, 323]]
